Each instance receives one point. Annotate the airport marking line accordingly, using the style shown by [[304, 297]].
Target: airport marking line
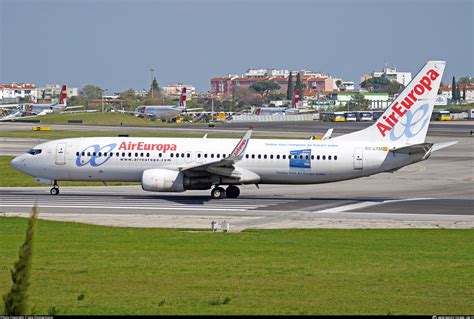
[[360, 205]]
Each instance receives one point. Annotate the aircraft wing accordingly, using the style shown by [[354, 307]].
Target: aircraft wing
[[224, 167]]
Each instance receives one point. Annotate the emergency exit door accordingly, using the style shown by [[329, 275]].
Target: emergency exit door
[[358, 158], [61, 154]]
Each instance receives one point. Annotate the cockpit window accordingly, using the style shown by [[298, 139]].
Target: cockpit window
[[34, 151]]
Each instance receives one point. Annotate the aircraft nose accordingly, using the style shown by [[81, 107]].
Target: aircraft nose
[[17, 162]]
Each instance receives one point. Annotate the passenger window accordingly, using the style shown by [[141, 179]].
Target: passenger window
[[212, 155], [306, 157], [205, 155], [246, 155], [329, 157], [171, 154], [324, 157], [147, 154], [94, 154], [301, 156], [318, 157], [188, 155], [253, 156], [199, 155], [160, 154], [77, 153], [259, 156], [278, 156], [100, 154], [117, 154], [130, 154], [83, 153], [312, 157], [284, 156], [223, 155], [218, 155], [265, 156], [335, 157]]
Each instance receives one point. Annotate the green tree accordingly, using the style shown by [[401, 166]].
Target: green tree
[[466, 80], [393, 88], [91, 92], [129, 99], [299, 84], [290, 89], [154, 89], [16, 300], [77, 101], [464, 93], [458, 94], [453, 89], [376, 84], [265, 87], [359, 102]]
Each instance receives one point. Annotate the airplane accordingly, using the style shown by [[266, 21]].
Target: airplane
[[395, 140], [43, 109], [164, 112], [281, 110]]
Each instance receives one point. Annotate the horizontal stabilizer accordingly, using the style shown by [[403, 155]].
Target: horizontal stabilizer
[[438, 146], [413, 149]]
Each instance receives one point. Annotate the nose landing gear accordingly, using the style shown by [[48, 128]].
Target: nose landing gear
[[55, 189]]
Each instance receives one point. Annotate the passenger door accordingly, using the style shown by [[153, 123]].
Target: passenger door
[[358, 158], [61, 154]]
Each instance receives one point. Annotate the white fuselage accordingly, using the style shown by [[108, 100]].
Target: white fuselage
[[275, 161]]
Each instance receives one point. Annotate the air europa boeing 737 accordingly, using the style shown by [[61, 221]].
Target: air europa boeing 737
[[395, 140]]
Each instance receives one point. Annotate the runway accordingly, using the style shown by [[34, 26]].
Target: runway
[[288, 129], [435, 193]]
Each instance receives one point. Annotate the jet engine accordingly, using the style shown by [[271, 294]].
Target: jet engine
[[163, 180]]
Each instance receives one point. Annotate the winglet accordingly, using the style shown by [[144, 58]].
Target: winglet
[[239, 150]]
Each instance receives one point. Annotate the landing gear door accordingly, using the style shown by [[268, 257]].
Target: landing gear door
[[358, 158], [61, 154]]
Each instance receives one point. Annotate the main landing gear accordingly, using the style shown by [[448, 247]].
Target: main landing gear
[[231, 192], [55, 189]]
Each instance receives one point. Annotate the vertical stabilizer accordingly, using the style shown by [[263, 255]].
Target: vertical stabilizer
[[182, 98], [406, 120]]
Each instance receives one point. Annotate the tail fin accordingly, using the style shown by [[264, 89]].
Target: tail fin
[[63, 95], [182, 98], [296, 99], [406, 120]]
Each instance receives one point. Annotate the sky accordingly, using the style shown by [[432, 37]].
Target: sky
[[114, 44]]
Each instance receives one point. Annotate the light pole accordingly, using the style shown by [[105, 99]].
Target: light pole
[[102, 99]]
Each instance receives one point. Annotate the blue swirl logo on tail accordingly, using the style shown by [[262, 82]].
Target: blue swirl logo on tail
[[415, 122]]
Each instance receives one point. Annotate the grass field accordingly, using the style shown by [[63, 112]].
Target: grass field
[[98, 118], [86, 269], [10, 177], [57, 134]]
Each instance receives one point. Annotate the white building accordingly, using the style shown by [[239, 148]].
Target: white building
[[16, 91], [377, 100], [390, 74], [255, 73], [175, 90]]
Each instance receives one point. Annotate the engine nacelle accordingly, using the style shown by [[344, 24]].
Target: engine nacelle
[[163, 180]]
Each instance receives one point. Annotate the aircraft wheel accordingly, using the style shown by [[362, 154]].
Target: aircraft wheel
[[218, 193], [54, 191], [232, 191]]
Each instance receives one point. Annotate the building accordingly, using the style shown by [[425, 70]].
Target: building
[[390, 74], [469, 88], [15, 93], [174, 90], [377, 100], [51, 91]]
